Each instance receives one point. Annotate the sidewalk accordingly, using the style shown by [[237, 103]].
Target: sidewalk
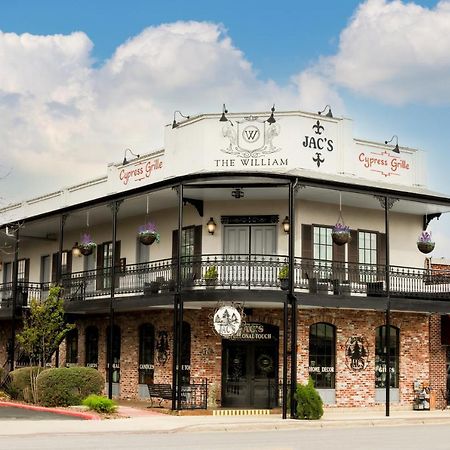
[[151, 421]]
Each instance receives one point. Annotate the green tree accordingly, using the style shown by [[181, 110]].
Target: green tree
[[44, 327]]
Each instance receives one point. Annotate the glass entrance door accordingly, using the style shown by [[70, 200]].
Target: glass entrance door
[[249, 374]]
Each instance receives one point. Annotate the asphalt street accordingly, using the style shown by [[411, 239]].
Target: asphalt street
[[436, 437]]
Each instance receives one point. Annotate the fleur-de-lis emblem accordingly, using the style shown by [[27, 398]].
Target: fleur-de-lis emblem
[[318, 159], [319, 128]]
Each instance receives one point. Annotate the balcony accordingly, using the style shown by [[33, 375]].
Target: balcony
[[338, 284]]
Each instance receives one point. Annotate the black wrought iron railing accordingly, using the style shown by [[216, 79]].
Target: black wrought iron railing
[[242, 272]]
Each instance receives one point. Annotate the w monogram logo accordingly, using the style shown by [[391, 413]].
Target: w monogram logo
[[251, 133]]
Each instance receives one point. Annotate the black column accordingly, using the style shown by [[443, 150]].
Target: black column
[[59, 274], [291, 297], [285, 356], [14, 292], [388, 306], [178, 312], [114, 209]]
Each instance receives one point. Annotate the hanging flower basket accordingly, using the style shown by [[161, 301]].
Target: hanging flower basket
[[425, 244], [87, 245], [148, 234], [340, 234]]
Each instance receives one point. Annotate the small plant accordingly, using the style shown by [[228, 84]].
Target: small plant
[[283, 274], [425, 243], [340, 233], [100, 404], [148, 233], [211, 273], [87, 245], [309, 403]]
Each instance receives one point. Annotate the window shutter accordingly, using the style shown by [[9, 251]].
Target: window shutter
[[69, 262], [198, 240], [100, 271], [307, 241], [353, 248], [117, 255], [54, 266], [381, 249], [27, 270], [174, 244]]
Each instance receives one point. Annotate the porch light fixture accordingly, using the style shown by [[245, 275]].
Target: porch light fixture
[[286, 225], [271, 119], [211, 226], [76, 250], [224, 111], [175, 123], [125, 160], [237, 193], [328, 114], [395, 149]]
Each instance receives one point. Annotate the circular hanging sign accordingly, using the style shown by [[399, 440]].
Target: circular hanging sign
[[227, 321]]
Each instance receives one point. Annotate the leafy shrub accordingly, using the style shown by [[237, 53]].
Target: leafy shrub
[[68, 386], [100, 404], [18, 383], [309, 403]]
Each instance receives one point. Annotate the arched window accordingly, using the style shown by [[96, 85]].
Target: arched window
[[72, 347], [380, 357], [115, 353], [322, 355], [186, 354], [146, 353], [91, 344]]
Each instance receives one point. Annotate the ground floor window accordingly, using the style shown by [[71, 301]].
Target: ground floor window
[[115, 354], [72, 347], [322, 355], [381, 353], [91, 347], [146, 353], [186, 354]]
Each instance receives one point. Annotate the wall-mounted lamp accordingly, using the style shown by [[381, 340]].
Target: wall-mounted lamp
[[395, 149], [125, 160], [211, 226], [237, 193], [224, 111], [271, 119], [175, 123], [76, 250], [286, 224], [328, 114]]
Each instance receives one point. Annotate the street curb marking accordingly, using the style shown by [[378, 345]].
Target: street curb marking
[[63, 412]]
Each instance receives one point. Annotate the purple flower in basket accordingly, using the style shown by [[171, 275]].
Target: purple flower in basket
[[148, 229], [86, 239], [425, 236], [341, 228]]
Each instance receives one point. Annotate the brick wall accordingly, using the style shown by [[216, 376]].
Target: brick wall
[[421, 355]]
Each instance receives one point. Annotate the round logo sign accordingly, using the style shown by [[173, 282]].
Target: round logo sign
[[251, 133], [227, 321]]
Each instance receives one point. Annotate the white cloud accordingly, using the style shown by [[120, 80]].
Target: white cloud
[[63, 119], [395, 52]]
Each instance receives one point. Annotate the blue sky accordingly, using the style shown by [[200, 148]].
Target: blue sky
[[89, 64]]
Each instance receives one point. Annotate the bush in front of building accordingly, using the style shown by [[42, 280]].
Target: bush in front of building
[[309, 403], [68, 386], [18, 384], [100, 404]]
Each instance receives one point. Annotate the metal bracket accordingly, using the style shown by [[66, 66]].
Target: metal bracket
[[382, 200], [428, 218], [197, 204]]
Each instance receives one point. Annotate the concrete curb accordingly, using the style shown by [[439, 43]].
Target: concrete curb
[[63, 412]]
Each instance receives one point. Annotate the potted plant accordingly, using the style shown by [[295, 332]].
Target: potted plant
[[424, 243], [211, 276], [86, 245], [148, 233], [340, 234], [283, 276]]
